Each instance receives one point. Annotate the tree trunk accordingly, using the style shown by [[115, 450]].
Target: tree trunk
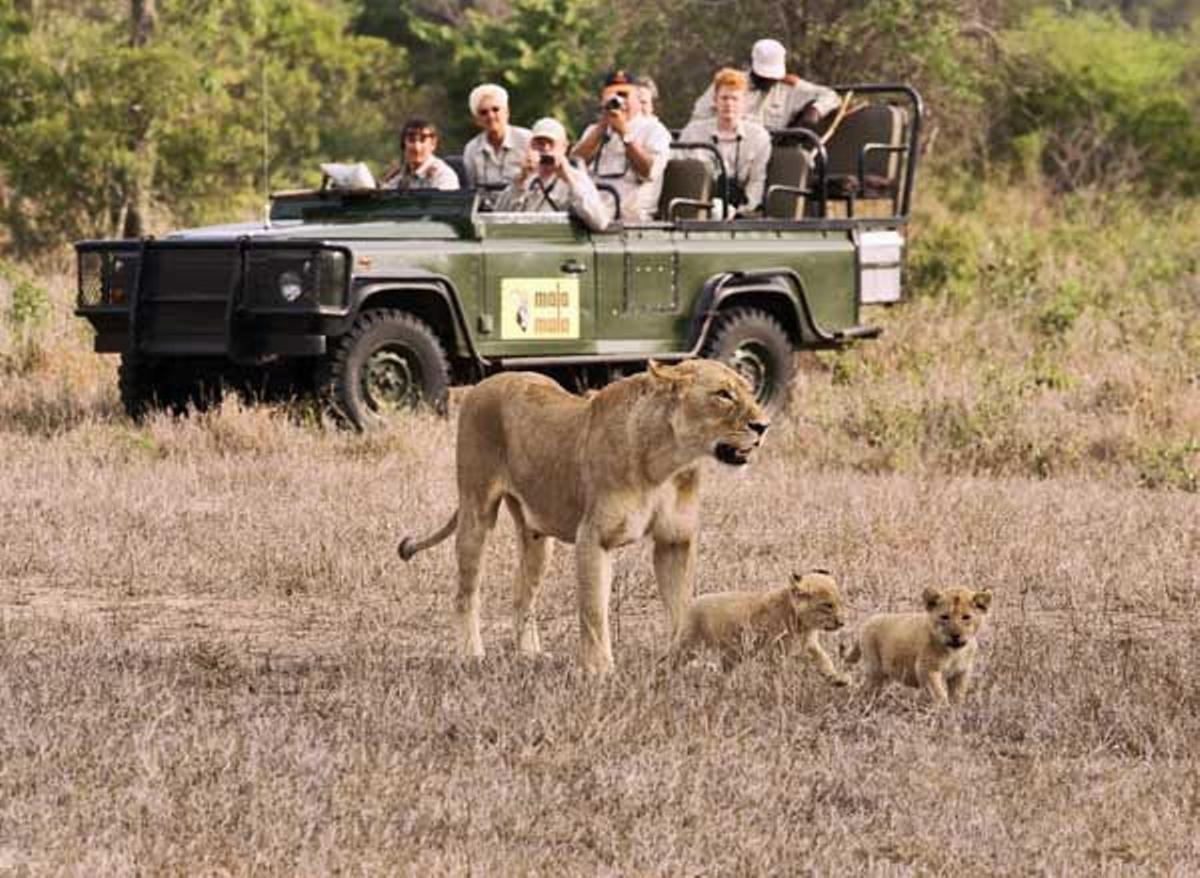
[[143, 20]]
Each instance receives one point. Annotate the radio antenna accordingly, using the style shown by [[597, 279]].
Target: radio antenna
[[266, 149]]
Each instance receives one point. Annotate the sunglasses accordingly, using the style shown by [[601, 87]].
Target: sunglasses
[[489, 111], [418, 136]]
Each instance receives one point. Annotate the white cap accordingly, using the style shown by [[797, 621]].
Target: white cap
[[767, 59], [549, 128], [487, 90]]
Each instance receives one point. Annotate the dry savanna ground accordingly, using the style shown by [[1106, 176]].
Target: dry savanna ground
[[211, 660]]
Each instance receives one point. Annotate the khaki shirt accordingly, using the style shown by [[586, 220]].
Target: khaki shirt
[[745, 153], [434, 174], [488, 166], [639, 195], [576, 194], [776, 106]]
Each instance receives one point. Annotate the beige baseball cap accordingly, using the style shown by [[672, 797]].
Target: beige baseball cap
[[767, 59], [549, 128]]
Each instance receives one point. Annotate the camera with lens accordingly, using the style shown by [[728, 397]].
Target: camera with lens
[[615, 103]]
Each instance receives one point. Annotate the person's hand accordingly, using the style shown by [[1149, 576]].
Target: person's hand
[[561, 167], [528, 165], [618, 121]]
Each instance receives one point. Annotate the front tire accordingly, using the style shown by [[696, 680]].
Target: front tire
[[756, 346], [388, 362]]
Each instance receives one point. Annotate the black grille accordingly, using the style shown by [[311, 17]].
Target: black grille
[[184, 297]]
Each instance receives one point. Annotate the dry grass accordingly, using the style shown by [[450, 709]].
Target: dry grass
[[213, 660]]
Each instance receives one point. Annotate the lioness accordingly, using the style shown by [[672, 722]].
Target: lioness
[[935, 649], [738, 623], [601, 472]]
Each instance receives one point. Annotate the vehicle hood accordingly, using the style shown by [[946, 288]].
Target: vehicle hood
[[284, 230]]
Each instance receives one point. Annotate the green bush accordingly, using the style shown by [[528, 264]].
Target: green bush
[[1093, 101]]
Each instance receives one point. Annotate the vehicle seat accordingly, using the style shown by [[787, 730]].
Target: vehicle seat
[[787, 170], [686, 190], [456, 162], [875, 133]]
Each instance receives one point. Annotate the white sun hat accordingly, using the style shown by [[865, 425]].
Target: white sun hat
[[549, 128], [767, 59]]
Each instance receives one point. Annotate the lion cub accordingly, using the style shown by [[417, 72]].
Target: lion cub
[[739, 623], [934, 649]]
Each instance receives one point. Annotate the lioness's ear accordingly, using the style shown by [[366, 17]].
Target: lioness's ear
[[982, 600], [658, 370], [672, 376], [930, 598], [798, 584]]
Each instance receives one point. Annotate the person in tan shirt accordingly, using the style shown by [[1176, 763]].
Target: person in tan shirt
[[548, 181], [776, 98], [744, 145], [420, 168]]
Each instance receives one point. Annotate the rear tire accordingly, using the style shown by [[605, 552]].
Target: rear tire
[[389, 361], [756, 346]]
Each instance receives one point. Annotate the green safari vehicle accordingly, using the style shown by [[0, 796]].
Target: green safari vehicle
[[378, 300]]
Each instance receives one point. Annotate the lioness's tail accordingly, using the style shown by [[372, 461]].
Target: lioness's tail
[[409, 547], [853, 655]]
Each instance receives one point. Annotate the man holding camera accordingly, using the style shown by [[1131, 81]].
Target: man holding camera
[[626, 148], [776, 98], [548, 182], [744, 145]]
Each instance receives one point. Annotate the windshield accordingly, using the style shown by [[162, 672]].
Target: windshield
[[455, 207]]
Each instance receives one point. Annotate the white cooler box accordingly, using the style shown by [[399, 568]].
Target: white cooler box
[[880, 254]]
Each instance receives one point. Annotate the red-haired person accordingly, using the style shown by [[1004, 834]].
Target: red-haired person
[[776, 98], [744, 145]]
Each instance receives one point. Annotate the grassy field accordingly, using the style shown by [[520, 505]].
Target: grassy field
[[211, 659]]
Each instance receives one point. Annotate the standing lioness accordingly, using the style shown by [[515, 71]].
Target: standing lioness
[[601, 472], [935, 649]]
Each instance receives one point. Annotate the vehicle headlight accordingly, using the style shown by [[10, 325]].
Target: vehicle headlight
[[91, 278], [291, 285]]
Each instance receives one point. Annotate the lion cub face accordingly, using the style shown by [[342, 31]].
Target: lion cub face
[[956, 614], [716, 412], [816, 602]]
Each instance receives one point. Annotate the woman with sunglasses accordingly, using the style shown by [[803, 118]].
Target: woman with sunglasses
[[493, 157]]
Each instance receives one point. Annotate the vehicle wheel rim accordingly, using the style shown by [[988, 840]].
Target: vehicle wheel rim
[[391, 380], [752, 362]]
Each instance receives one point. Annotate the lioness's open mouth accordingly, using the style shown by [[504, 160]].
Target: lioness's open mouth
[[732, 455]]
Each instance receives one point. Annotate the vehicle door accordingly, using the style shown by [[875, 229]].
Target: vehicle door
[[639, 307], [539, 284]]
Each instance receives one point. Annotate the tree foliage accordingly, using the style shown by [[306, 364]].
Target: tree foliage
[[548, 54], [1086, 92], [1090, 100], [198, 91]]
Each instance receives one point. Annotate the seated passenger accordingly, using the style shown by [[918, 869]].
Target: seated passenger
[[745, 146], [548, 181], [626, 148], [777, 99], [648, 92], [421, 169], [493, 157]]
